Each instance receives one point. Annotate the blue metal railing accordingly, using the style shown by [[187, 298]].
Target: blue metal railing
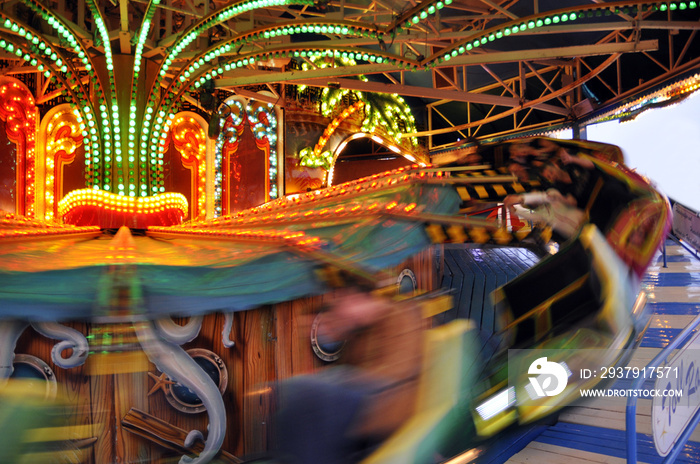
[[631, 411], [664, 253], [693, 252]]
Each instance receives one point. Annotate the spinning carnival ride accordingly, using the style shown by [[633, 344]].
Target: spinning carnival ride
[[248, 281], [178, 240]]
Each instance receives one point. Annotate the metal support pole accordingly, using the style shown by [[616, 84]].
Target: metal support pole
[[664, 253]]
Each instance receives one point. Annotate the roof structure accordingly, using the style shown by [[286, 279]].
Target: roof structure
[[472, 70]]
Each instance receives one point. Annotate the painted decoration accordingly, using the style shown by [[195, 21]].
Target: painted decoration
[[326, 350], [300, 134], [184, 399], [686, 225], [35, 370], [244, 173], [406, 282], [246, 166], [670, 415]]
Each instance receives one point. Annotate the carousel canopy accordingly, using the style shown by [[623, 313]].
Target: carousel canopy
[[471, 70]]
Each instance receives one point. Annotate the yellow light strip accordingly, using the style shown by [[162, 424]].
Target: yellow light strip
[[121, 203]]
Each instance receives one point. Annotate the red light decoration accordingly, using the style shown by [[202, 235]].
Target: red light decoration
[[109, 211], [16, 227], [274, 237], [19, 112], [189, 139], [345, 191]]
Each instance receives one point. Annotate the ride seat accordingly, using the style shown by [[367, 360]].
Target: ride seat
[[442, 421]]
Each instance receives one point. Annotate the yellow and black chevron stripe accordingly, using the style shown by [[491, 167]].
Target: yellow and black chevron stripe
[[446, 233], [482, 173], [495, 191]]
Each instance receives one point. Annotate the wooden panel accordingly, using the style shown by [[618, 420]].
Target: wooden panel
[[423, 267], [211, 335], [258, 371], [293, 345], [103, 416], [210, 338], [157, 404], [73, 384], [129, 392], [167, 436], [271, 343], [237, 363]]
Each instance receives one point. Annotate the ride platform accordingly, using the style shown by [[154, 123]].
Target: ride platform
[[594, 430]]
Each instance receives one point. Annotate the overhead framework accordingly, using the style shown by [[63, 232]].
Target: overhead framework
[[472, 70]]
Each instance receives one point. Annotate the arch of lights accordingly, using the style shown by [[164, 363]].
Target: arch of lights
[[124, 155], [59, 139], [265, 122], [385, 142], [187, 134], [19, 113]]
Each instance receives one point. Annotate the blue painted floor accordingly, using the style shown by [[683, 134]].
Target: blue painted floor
[[595, 431], [609, 442]]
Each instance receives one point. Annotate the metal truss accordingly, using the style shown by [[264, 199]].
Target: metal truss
[[474, 70]]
